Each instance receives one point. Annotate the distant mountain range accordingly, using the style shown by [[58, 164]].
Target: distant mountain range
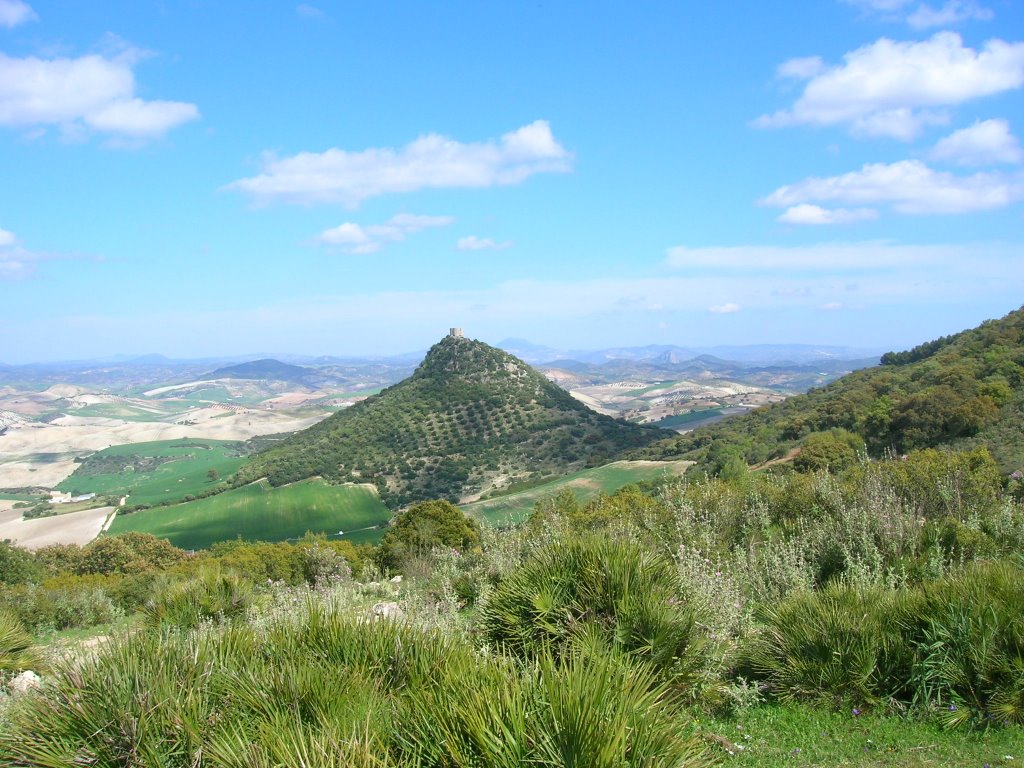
[[668, 353]]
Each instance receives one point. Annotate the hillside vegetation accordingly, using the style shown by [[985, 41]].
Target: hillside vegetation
[[469, 414], [959, 391]]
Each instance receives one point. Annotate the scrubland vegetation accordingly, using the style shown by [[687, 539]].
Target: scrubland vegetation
[[671, 625]]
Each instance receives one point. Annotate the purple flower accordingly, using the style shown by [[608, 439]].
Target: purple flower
[[952, 707], [856, 712]]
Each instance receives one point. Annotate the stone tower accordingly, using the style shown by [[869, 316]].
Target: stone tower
[[455, 333]]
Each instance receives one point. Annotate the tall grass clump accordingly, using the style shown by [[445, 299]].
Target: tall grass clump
[[968, 641], [843, 643], [320, 690], [17, 652], [600, 591], [212, 595]]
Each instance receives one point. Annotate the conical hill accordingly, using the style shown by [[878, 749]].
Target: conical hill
[[470, 417]]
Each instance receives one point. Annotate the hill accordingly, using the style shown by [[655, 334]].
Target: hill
[[959, 391], [264, 369], [470, 417]]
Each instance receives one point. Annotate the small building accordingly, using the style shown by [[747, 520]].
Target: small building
[[455, 333]]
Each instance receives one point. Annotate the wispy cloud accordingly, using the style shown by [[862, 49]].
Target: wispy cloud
[[805, 213], [987, 142], [354, 238], [474, 243], [18, 262], [908, 186], [724, 309], [895, 89], [924, 15], [15, 12], [431, 161], [80, 95]]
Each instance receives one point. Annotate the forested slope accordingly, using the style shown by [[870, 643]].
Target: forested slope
[[959, 391]]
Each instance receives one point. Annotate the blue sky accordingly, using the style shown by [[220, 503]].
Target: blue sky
[[204, 178]]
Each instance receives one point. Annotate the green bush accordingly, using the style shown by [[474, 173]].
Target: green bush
[[423, 527]]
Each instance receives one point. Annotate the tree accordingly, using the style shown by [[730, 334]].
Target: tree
[[213, 475], [424, 526]]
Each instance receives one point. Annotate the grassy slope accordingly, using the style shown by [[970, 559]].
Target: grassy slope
[[586, 485], [187, 475], [259, 512], [814, 736]]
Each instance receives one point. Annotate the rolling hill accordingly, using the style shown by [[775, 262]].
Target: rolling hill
[[958, 391], [471, 417]]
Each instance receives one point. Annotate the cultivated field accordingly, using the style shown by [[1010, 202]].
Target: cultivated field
[[260, 512], [588, 484], [155, 472], [71, 528]]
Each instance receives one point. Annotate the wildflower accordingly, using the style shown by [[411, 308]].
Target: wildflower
[[952, 707], [856, 712]]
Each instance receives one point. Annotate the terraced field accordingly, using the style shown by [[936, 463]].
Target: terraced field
[[261, 513], [588, 484], [155, 472]]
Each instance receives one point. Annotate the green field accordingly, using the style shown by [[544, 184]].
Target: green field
[[587, 485], [260, 512], [691, 417], [122, 411], [181, 469]]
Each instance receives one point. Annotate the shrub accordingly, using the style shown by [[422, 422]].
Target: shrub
[[424, 526], [843, 643], [211, 595], [607, 594]]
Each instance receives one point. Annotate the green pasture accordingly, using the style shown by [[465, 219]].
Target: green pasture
[[186, 474], [587, 485], [123, 411], [260, 512], [702, 414]]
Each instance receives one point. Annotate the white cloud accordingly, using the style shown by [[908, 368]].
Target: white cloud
[[724, 309], [894, 89], [805, 213], [987, 142], [353, 238], [7, 238], [801, 69], [952, 12], [474, 243], [93, 92], [15, 12], [831, 306], [909, 186], [431, 161]]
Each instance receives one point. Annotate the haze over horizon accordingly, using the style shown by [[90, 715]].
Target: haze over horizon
[[200, 179]]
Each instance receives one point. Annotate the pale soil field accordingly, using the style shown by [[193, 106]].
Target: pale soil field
[[42, 455], [71, 528]]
